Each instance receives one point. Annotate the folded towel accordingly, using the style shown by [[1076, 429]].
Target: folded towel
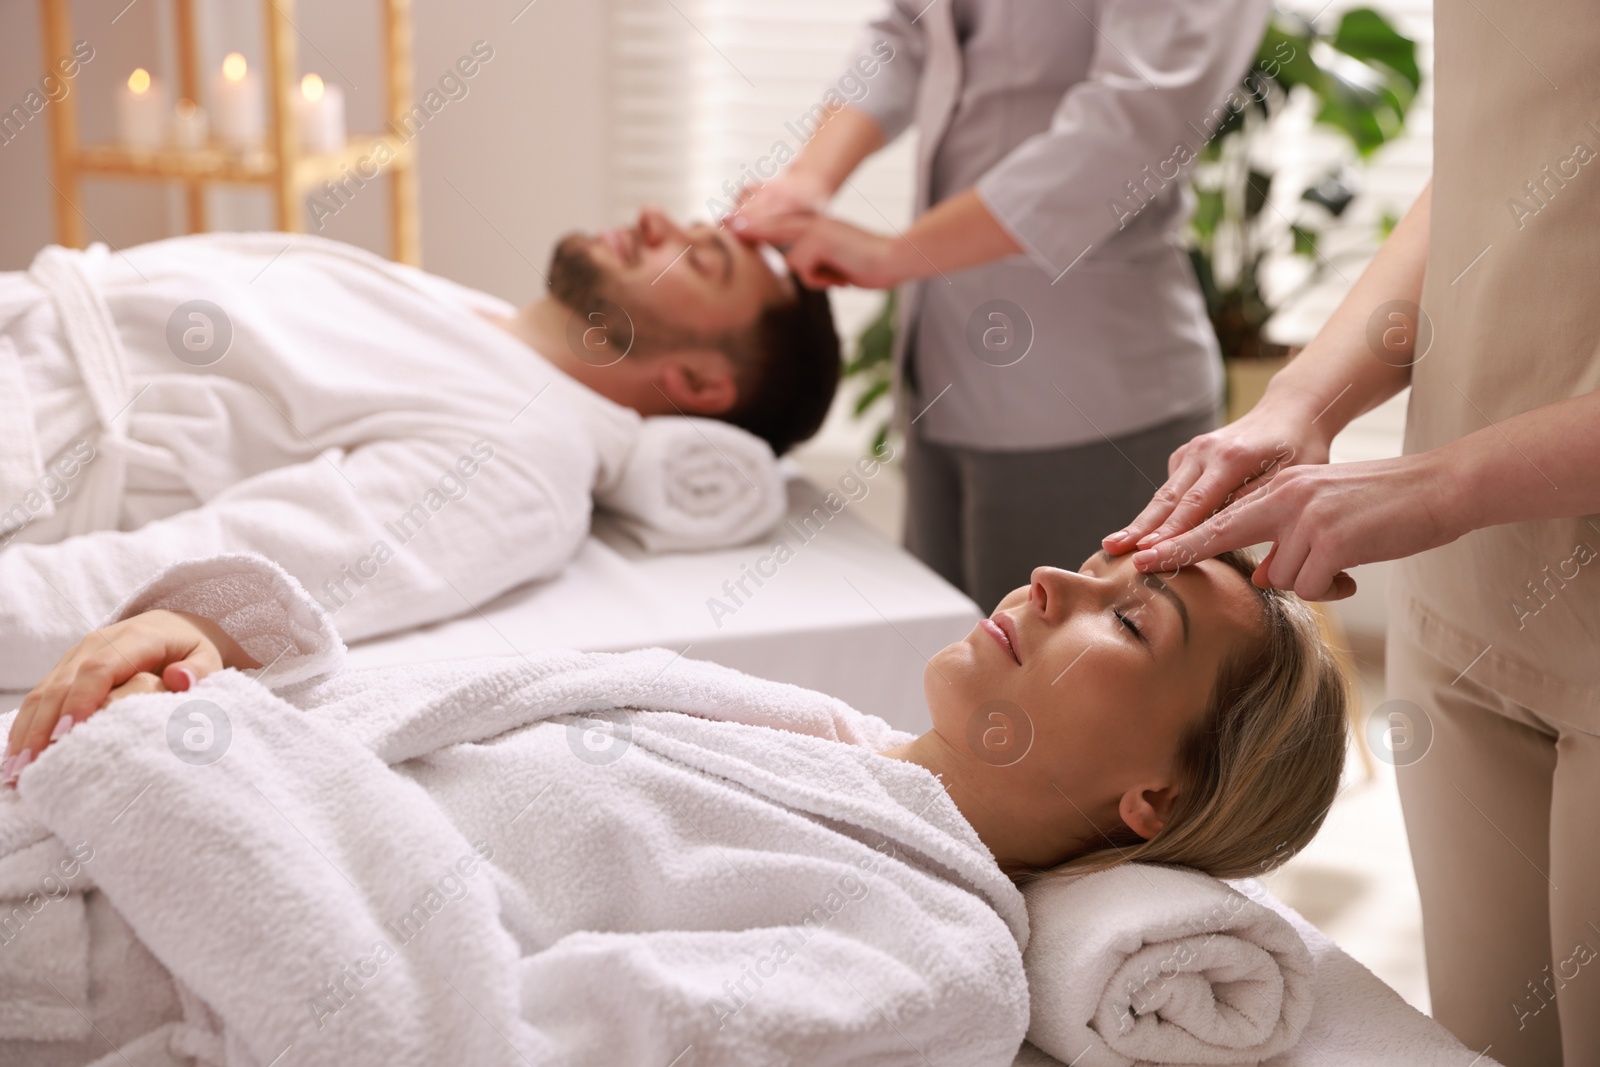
[[1144, 964], [694, 483]]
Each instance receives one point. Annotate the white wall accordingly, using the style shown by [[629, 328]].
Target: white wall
[[505, 170]]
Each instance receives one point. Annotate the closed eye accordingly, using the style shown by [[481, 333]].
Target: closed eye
[[700, 248], [1127, 621]]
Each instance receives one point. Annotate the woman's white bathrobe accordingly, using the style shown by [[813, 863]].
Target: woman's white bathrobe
[[688, 866], [400, 454]]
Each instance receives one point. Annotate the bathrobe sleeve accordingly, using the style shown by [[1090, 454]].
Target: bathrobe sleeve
[[1159, 71], [776, 996], [386, 536], [313, 899]]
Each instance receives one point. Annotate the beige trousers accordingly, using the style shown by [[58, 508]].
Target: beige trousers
[[1503, 816]]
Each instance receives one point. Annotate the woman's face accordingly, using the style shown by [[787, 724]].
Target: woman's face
[[1063, 720]]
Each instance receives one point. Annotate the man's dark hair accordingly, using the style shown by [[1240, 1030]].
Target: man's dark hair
[[788, 369]]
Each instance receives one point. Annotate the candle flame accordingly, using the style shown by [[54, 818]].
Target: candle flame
[[233, 67], [311, 87], [139, 81]]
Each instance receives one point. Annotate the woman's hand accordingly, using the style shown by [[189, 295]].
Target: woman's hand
[[1325, 518], [792, 193], [139, 655], [1215, 469], [827, 251]]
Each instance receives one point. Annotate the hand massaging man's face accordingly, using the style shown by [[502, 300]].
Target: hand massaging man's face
[[1056, 706], [677, 289]]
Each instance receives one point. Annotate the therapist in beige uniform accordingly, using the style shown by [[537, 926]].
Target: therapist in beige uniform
[[1493, 652]]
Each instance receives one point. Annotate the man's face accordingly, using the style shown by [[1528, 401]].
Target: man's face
[[677, 286]]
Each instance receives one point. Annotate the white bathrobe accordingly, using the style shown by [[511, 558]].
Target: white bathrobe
[[686, 865], [365, 427]]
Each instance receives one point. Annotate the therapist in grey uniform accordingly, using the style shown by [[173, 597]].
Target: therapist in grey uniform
[[1052, 344]]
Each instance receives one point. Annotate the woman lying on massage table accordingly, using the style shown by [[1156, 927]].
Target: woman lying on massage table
[[683, 861]]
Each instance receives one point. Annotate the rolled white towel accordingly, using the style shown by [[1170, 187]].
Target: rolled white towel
[[1155, 965], [693, 483]]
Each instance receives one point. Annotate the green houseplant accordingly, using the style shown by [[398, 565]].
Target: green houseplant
[[1362, 77]]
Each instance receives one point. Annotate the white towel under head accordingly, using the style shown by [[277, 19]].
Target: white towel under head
[[690, 483], [1144, 964]]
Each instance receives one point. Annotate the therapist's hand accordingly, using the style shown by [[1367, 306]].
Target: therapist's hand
[[151, 651], [828, 251], [792, 193], [1325, 518], [1213, 469]]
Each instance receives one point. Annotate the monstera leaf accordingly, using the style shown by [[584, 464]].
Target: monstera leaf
[[1364, 73], [1362, 76]]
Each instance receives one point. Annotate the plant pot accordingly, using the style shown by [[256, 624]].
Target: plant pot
[[1246, 379]]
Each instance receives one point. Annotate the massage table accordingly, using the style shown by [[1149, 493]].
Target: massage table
[[850, 614], [855, 616]]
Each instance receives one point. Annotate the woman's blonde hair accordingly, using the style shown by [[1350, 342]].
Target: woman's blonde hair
[[1259, 770]]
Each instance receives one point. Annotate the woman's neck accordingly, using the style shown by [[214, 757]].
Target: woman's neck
[[1017, 837]]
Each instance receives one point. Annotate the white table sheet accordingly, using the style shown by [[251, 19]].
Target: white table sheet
[[851, 614]]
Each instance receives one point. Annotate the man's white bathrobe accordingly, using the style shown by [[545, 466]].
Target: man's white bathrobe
[[686, 865], [354, 419]]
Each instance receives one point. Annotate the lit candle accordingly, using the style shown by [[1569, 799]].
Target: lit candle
[[237, 104], [320, 112], [188, 125], [142, 111]]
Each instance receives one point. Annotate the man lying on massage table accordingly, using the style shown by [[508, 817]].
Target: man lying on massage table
[[679, 856], [406, 447]]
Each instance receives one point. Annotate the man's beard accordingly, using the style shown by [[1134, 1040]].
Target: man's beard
[[575, 278], [583, 285]]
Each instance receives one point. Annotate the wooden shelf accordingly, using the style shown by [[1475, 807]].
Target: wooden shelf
[[278, 165], [214, 163]]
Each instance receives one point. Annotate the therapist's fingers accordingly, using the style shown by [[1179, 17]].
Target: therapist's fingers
[[1230, 475], [1304, 564], [781, 230], [816, 268], [814, 257], [789, 192], [1249, 523], [1340, 587], [1164, 503], [1175, 460]]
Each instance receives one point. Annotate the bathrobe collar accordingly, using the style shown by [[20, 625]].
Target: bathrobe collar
[[901, 803]]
